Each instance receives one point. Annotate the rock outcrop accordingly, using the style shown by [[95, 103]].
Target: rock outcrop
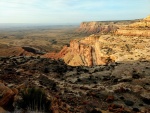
[[6, 94], [83, 52], [97, 27], [102, 27], [140, 28]]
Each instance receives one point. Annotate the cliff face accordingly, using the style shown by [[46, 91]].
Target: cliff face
[[127, 28], [140, 28], [101, 27], [97, 27], [83, 52]]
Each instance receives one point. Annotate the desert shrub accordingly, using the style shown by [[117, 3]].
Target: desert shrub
[[34, 99]]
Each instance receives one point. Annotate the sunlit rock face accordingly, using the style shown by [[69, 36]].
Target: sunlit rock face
[[7, 95], [97, 27], [140, 28], [84, 52]]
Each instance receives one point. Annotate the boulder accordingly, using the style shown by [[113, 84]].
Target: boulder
[[6, 95]]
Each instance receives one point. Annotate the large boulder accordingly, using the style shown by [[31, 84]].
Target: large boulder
[[6, 95]]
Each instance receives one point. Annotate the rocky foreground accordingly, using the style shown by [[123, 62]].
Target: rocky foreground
[[118, 87]]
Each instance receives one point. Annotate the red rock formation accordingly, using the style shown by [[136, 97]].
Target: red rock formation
[[7, 95], [97, 27], [82, 52]]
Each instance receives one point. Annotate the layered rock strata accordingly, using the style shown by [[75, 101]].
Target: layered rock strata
[[140, 28], [83, 52], [102, 27]]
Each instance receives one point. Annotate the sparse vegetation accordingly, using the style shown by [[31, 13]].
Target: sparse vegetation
[[34, 99]]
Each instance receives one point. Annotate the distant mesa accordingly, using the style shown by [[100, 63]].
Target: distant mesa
[[102, 27], [97, 27]]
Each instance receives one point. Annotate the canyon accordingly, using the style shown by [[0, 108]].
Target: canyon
[[98, 67]]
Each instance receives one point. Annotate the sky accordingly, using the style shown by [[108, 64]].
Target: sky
[[71, 11]]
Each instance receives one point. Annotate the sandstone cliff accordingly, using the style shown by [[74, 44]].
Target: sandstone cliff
[[102, 27], [83, 52], [97, 27], [140, 28]]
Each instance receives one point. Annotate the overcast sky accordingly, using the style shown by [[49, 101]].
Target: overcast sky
[[71, 11]]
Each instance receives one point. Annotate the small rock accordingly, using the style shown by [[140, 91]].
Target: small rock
[[110, 99], [116, 108]]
